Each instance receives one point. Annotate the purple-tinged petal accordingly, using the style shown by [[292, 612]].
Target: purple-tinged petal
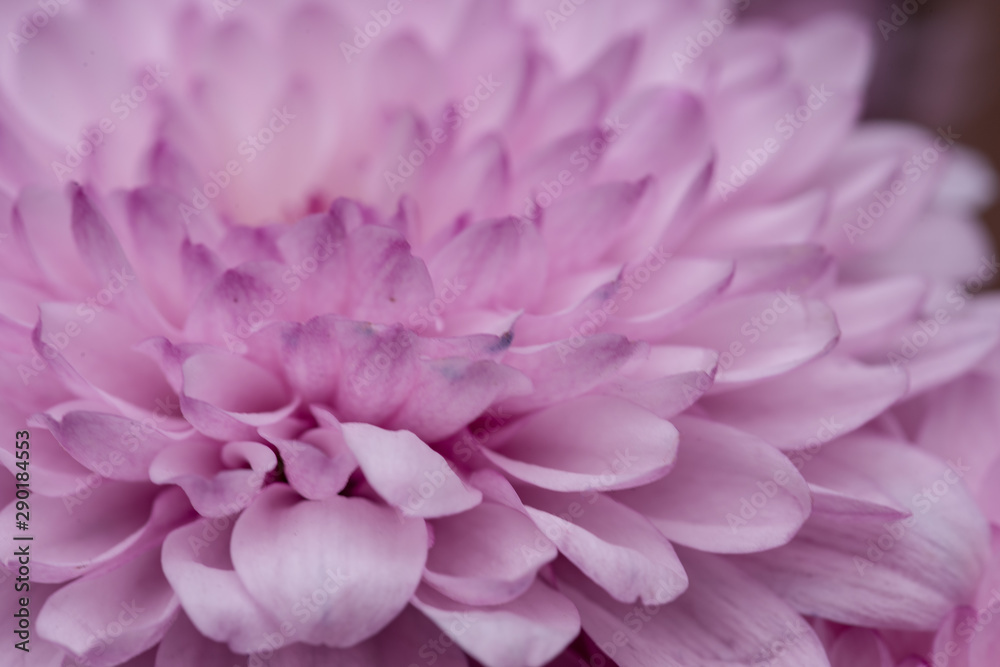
[[756, 500], [595, 442], [407, 473], [528, 631], [375, 557]]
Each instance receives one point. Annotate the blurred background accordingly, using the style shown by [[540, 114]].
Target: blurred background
[[940, 67]]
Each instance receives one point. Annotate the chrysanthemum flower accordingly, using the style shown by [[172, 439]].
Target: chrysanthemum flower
[[486, 333]]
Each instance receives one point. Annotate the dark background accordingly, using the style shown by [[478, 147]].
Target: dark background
[[941, 68]]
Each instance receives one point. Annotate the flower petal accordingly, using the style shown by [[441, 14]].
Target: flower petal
[[375, 557], [595, 442], [724, 618], [526, 632], [399, 466], [866, 571], [133, 604], [755, 499]]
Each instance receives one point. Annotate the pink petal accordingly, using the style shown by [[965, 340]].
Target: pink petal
[[486, 556], [668, 382], [724, 618], [116, 447], [211, 475], [376, 557], [101, 526], [657, 294], [860, 648], [756, 500], [566, 369], [526, 632], [227, 397], [615, 546], [196, 562], [837, 568], [491, 263], [318, 463], [407, 473], [53, 471], [762, 335], [588, 443], [135, 600], [184, 645], [826, 398]]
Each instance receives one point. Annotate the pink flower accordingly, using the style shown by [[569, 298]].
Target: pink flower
[[438, 333]]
